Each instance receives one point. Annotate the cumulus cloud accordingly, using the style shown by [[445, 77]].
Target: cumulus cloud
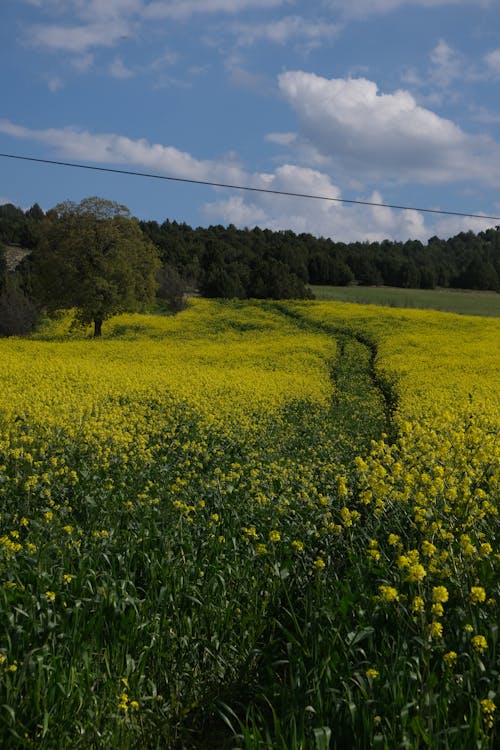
[[374, 136], [330, 218], [321, 217], [327, 218]]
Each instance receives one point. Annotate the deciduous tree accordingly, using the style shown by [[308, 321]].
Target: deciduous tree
[[93, 256]]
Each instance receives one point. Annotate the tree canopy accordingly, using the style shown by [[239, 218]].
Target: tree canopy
[[93, 257]]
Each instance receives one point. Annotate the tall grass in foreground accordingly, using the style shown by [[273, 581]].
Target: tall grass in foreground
[[240, 572]]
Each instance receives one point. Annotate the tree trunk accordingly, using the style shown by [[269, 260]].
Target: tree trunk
[[97, 327]]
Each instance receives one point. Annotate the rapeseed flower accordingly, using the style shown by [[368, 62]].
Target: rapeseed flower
[[477, 595], [440, 594], [450, 659], [389, 593], [435, 629], [479, 643], [488, 709], [417, 605], [416, 573]]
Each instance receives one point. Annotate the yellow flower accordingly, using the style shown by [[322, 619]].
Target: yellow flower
[[479, 643], [134, 705], [428, 548], [250, 531], [437, 609], [274, 536], [50, 596], [299, 546], [261, 549], [416, 573], [417, 605], [67, 578], [13, 667], [477, 595], [372, 673], [435, 630], [450, 659], [392, 540], [319, 563], [488, 708], [440, 594], [389, 593], [123, 702]]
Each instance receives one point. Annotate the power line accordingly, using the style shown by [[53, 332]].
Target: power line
[[248, 188]]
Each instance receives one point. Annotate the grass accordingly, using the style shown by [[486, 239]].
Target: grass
[[465, 302]]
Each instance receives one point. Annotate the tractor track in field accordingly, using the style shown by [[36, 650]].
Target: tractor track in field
[[364, 401]]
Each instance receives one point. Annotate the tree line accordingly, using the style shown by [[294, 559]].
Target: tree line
[[94, 256], [230, 262]]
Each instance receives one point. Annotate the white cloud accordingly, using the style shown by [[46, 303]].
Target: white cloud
[[492, 60], [320, 217], [486, 116], [89, 9], [110, 148], [82, 63], [285, 29], [283, 139], [118, 69], [447, 65], [177, 9], [378, 137], [244, 79], [77, 39], [327, 218], [55, 83], [81, 25], [448, 226], [363, 8]]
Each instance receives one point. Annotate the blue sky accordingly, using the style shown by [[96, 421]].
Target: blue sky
[[393, 101]]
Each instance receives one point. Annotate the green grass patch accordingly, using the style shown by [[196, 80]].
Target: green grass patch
[[485, 304]]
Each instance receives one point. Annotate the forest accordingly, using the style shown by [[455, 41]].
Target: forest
[[228, 262]]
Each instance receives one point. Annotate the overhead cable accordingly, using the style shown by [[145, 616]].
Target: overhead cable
[[229, 186]]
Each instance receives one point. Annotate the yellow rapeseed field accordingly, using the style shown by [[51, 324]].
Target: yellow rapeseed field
[[301, 498]]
